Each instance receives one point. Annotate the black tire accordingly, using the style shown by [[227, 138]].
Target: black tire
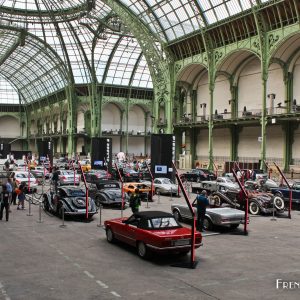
[[177, 215], [254, 208], [142, 250], [184, 253], [157, 191], [97, 201], [217, 200], [207, 224], [234, 226], [198, 179], [278, 203], [60, 212], [46, 204], [110, 237]]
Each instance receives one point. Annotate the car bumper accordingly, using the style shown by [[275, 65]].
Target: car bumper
[[81, 212], [69, 182], [267, 210], [172, 248]]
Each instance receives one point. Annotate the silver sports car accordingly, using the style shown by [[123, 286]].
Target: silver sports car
[[221, 216]]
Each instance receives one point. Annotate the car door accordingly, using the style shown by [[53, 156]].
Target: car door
[[128, 231], [296, 191], [92, 190]]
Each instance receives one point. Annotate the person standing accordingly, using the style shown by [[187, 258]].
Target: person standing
[[4, 203], [14, 193], [9, 190], [21, 197], [202, 203], [55, 178], [135, 201]]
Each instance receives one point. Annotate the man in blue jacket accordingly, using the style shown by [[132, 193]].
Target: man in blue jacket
[[202, 203]]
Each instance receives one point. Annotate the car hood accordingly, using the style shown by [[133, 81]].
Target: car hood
[[112, 193], [226, 212], [169, 186]]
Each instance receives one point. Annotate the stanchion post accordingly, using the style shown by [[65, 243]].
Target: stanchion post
[[63, 217], [40, 212], [100, 216], [29, 208], [273, 216], [148, 199]]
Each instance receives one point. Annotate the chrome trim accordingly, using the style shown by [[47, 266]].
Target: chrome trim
[[172, 248]]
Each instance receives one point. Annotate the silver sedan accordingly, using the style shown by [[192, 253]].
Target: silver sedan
[[222, 216], [165, 186]]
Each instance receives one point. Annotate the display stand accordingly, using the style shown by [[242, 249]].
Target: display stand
[[122, 189], [247, 201], [242, 173], [74, 172], [290, 190], [216, 169], [86, 194], [193, 263], [152, 183]]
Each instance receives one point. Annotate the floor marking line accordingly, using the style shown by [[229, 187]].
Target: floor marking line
[[67, 257], [77, 265], [102, 284], [115, 294], [88, 274]]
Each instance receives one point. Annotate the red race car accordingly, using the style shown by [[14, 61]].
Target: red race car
[[151, 231]]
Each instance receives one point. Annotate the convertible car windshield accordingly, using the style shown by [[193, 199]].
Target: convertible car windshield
[[75, 193], [167, 222]]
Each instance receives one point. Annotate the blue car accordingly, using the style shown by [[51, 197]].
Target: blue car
[[284, 192]]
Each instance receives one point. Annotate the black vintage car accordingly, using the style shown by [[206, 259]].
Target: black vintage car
[[198, 175], [94, 176], [259, 202], [108, 193], [71, 199]]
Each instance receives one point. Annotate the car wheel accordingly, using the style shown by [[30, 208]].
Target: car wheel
[[60, 212], [97, 201], [184, 253], [198, 179], [278, 203], [254, 209], [177, 215], [234, 226], [207, 224], [142, 250], [46, 204], [217, 200], [157, 191], [110, 235]]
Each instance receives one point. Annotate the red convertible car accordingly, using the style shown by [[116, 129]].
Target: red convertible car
[[151, 231]]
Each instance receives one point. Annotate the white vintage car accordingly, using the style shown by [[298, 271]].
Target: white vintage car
[[222, 183], [163, 185]]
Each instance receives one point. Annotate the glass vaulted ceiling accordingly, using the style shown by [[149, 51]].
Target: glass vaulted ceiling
[[61, 40], [117, 58], [173, 19], [8, 94]]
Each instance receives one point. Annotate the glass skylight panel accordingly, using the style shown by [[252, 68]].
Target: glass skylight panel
[[41, 4], [8, 93]]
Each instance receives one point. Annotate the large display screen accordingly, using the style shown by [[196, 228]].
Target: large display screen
[[159, 169], [98, 163]]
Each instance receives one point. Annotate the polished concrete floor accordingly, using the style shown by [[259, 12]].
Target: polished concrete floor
[[45, 261]]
